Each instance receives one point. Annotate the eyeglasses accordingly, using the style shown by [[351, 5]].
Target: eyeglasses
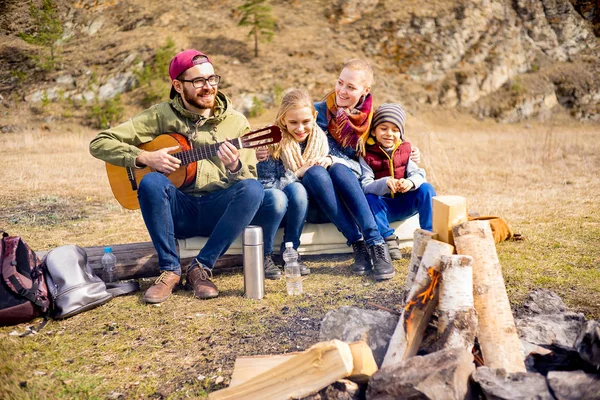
[[198, 83]]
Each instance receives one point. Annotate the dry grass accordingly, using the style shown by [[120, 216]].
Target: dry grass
[[541, 177]]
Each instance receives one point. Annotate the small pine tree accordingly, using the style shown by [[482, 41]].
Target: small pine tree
[[48, 29], [257, 15]]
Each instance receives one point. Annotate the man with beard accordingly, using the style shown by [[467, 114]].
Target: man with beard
[[225, 196]]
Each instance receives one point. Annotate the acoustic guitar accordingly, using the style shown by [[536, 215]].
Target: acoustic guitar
[[124, 181]]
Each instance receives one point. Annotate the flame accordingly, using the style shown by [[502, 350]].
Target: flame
[[428, 293], [424, 297]]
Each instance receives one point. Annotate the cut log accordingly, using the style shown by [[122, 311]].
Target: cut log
[[497, 333], [420, 239], [298, 376], [447, 212], [246, 368], [421, 303], [139, 260], [457, 319]]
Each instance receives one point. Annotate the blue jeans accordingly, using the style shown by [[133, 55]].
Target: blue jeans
[[338, 195], [289, 212], [170, 214], [401, 207]]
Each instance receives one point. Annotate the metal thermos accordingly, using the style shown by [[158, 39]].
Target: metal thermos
[[254, 273]]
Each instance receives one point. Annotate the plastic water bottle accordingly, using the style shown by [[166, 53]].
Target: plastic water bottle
[[109, 265], [293, 279]]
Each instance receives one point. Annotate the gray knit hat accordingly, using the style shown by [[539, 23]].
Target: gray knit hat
[[388, 112]]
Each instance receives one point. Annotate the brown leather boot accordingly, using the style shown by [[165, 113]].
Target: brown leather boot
[[198, 279], [162, 288]]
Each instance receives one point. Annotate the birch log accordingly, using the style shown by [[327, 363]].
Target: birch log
[[299, 376], [420, 239], [248, 367], [406, 338], [457, 319], [497, 333]]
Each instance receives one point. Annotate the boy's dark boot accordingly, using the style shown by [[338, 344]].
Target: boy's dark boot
[[393, 247], [271, 270], [362, 260], [198, 279], [382, 262]]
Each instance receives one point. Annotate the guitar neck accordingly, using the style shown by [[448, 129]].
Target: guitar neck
[[203, 152]]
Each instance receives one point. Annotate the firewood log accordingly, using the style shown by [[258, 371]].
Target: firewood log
[[422, 300], [457, 318], [300, 375], [420, 239], [497, 333], [246, 368]]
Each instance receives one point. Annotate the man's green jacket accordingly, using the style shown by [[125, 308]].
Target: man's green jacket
[[118, 145]]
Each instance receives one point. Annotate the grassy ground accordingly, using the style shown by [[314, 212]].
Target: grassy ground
[[541, 177]]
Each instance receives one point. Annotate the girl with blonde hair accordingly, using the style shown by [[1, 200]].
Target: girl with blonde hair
[[303, 145]]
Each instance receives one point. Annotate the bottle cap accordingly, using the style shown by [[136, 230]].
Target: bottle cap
[[289, 244], [108, 249]]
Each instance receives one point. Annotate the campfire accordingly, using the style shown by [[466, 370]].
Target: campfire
[[456, 328]]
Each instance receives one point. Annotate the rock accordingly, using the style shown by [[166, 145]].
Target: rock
[[545, 320], [115, 85], [252, 104], [587, 343], [348, 11], [550, 329], [556, 358], [93, 27], [576, 385], [440, 375], [351, 324], [66, 80], [496, 384], [544, 301], [340, 390]]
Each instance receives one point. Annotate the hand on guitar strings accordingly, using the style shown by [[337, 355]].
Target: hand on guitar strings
[[160, 160], [229, 155]]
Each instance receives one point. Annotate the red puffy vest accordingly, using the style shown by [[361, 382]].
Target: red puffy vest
[[384, 165]]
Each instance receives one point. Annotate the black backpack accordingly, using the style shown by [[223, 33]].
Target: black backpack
[[23, 289]]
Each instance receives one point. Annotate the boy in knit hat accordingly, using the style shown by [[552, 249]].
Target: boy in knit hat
[[394, 185]]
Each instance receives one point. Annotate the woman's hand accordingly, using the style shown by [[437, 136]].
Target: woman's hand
[[302, 170], [324, 162], [262, 153], [415, 155]]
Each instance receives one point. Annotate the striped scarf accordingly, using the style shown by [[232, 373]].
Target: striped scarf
[[292, 156], [350, 130]]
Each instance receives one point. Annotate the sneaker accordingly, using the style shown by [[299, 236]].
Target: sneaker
[[362, 260], [393, 247], [382, 262], [162, 287], [198, 279], [304, 270], [272, 271]]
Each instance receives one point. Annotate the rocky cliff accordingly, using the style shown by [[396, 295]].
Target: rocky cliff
[[505, 59]]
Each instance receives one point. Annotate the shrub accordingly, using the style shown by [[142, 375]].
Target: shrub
[[105, 114], [48, 30]]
